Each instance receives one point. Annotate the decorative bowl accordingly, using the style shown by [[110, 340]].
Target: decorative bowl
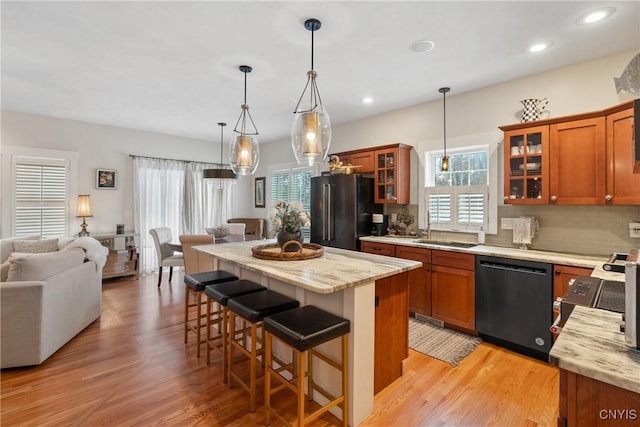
[[218, 232]]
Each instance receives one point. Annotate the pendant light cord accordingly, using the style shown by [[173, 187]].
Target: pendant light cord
[[444, 108], [312, 31], [222, 125]]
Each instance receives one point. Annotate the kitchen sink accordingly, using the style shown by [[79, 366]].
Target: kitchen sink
[[445, 243]]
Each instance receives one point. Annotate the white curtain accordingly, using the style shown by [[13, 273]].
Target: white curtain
[[172, 193]]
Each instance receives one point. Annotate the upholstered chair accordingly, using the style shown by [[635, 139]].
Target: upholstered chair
[[169, 254]]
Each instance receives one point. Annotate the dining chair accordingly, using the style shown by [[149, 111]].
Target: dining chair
[[169, 254], [194, 261], [237, 228]]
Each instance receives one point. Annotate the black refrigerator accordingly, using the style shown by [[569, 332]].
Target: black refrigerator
[[341, 209]]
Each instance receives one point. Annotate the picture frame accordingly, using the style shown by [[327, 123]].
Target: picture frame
[[259, 192], [106, 179]]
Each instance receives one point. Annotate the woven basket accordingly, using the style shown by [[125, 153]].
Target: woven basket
[[274, 252]]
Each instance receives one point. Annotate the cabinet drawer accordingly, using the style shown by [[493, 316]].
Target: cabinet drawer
[[414, 254], [453, 259], [378, 248]]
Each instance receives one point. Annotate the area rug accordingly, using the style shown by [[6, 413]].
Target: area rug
[[444, 344]]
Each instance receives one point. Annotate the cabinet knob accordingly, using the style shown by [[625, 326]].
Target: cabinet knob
[[608, 197], [557, 272], [554, 198]]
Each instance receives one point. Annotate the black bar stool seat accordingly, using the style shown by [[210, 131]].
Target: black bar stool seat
[[195, 284], [252, 308], [302, 329], [221, 293]]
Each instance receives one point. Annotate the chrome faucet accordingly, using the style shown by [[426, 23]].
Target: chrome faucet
[[428, 230]]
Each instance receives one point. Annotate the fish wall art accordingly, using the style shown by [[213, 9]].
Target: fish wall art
[[629, 80]]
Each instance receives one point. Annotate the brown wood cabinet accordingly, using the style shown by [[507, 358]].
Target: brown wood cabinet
[[588, 402], [392, 174], [363, 158], [453, 288], [378, 248], [623, 186], [419, 279], [391, 330], [562, 274], [585, 159]]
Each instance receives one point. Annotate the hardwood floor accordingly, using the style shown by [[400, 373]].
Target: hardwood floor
[[131, 368]]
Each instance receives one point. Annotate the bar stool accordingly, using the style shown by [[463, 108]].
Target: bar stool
[[221, 293], [195, 284], [252, 308], [302, 329]]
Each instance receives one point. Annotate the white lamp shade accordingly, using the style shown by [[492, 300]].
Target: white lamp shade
[[311, 136], [84, 208], [244, 154]]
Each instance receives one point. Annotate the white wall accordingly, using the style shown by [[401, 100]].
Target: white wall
[[106, 147], [472, 118]]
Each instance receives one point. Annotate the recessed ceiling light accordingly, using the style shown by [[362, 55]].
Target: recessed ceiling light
[[596, 15], [367, 100], [539, 47], [422, 46]]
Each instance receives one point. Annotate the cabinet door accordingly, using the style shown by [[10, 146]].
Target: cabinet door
[[364, 159], [453, 296], [391, 330], [419, 279], [392, 175], [526, 154], [623, 186], [578, 162], [562, 274], [378, 248]]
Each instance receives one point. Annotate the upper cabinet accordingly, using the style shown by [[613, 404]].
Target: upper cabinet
[[392, 174], [584, 159], [391, 169]]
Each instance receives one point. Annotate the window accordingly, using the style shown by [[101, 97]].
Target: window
[[41, 197], [457, 200], [292, 184]]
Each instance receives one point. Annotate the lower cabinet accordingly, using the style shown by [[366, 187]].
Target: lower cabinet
[[562, 274], [419, 279], [453, 289], [378, 248], [391, 330]]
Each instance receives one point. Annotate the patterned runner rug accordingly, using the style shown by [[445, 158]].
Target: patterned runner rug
[[445, 344]]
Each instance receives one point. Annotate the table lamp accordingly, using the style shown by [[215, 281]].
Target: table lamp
[[84, 211]]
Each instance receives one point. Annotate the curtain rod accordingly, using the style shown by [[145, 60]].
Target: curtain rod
[[134, 156]]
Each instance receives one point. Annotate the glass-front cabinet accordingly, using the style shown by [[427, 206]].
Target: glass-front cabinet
[[527, 165], [392, 174]]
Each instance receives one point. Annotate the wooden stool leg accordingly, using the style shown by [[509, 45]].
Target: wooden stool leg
[[225, 343], [253, 367], [232, 334], [208, 335], [300, 388], [198, 320], [267, 379], [345, 381]]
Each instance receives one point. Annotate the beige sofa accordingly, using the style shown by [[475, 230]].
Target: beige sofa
[[47, 298]]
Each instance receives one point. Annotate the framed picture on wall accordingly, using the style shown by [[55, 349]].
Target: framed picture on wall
[[259, 192], [106, 179]]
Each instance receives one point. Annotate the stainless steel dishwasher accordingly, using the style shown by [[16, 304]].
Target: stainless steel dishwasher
[[514, 300]]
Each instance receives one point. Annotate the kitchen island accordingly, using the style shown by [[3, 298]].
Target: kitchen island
[[341, 282]]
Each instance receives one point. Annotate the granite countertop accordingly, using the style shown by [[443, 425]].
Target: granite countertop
[[335, 270], [575, 260], [592, 345]]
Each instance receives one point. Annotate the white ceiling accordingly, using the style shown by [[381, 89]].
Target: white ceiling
[[171, 67]]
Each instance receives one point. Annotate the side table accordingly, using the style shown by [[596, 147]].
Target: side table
[[123, 254]]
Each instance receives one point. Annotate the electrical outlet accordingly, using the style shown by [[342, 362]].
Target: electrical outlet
[[506, 223], [634, 229]]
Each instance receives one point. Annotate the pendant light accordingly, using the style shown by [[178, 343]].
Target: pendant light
[[311, 129], [244, 151], [224, 177], [444, 166]]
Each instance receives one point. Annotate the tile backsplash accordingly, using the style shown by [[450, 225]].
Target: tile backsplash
[[587, 230]]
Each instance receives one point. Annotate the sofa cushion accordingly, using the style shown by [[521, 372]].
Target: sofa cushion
[[40, 266], [35, 246], [4, 271]]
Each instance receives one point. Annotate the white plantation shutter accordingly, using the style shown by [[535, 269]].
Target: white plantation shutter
[[41, 195], [292, 184], [467, 213]]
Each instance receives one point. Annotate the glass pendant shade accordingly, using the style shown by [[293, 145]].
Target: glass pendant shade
[[244, 154], [244, 151], [311, 128], [444, 165], [311, 136]]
